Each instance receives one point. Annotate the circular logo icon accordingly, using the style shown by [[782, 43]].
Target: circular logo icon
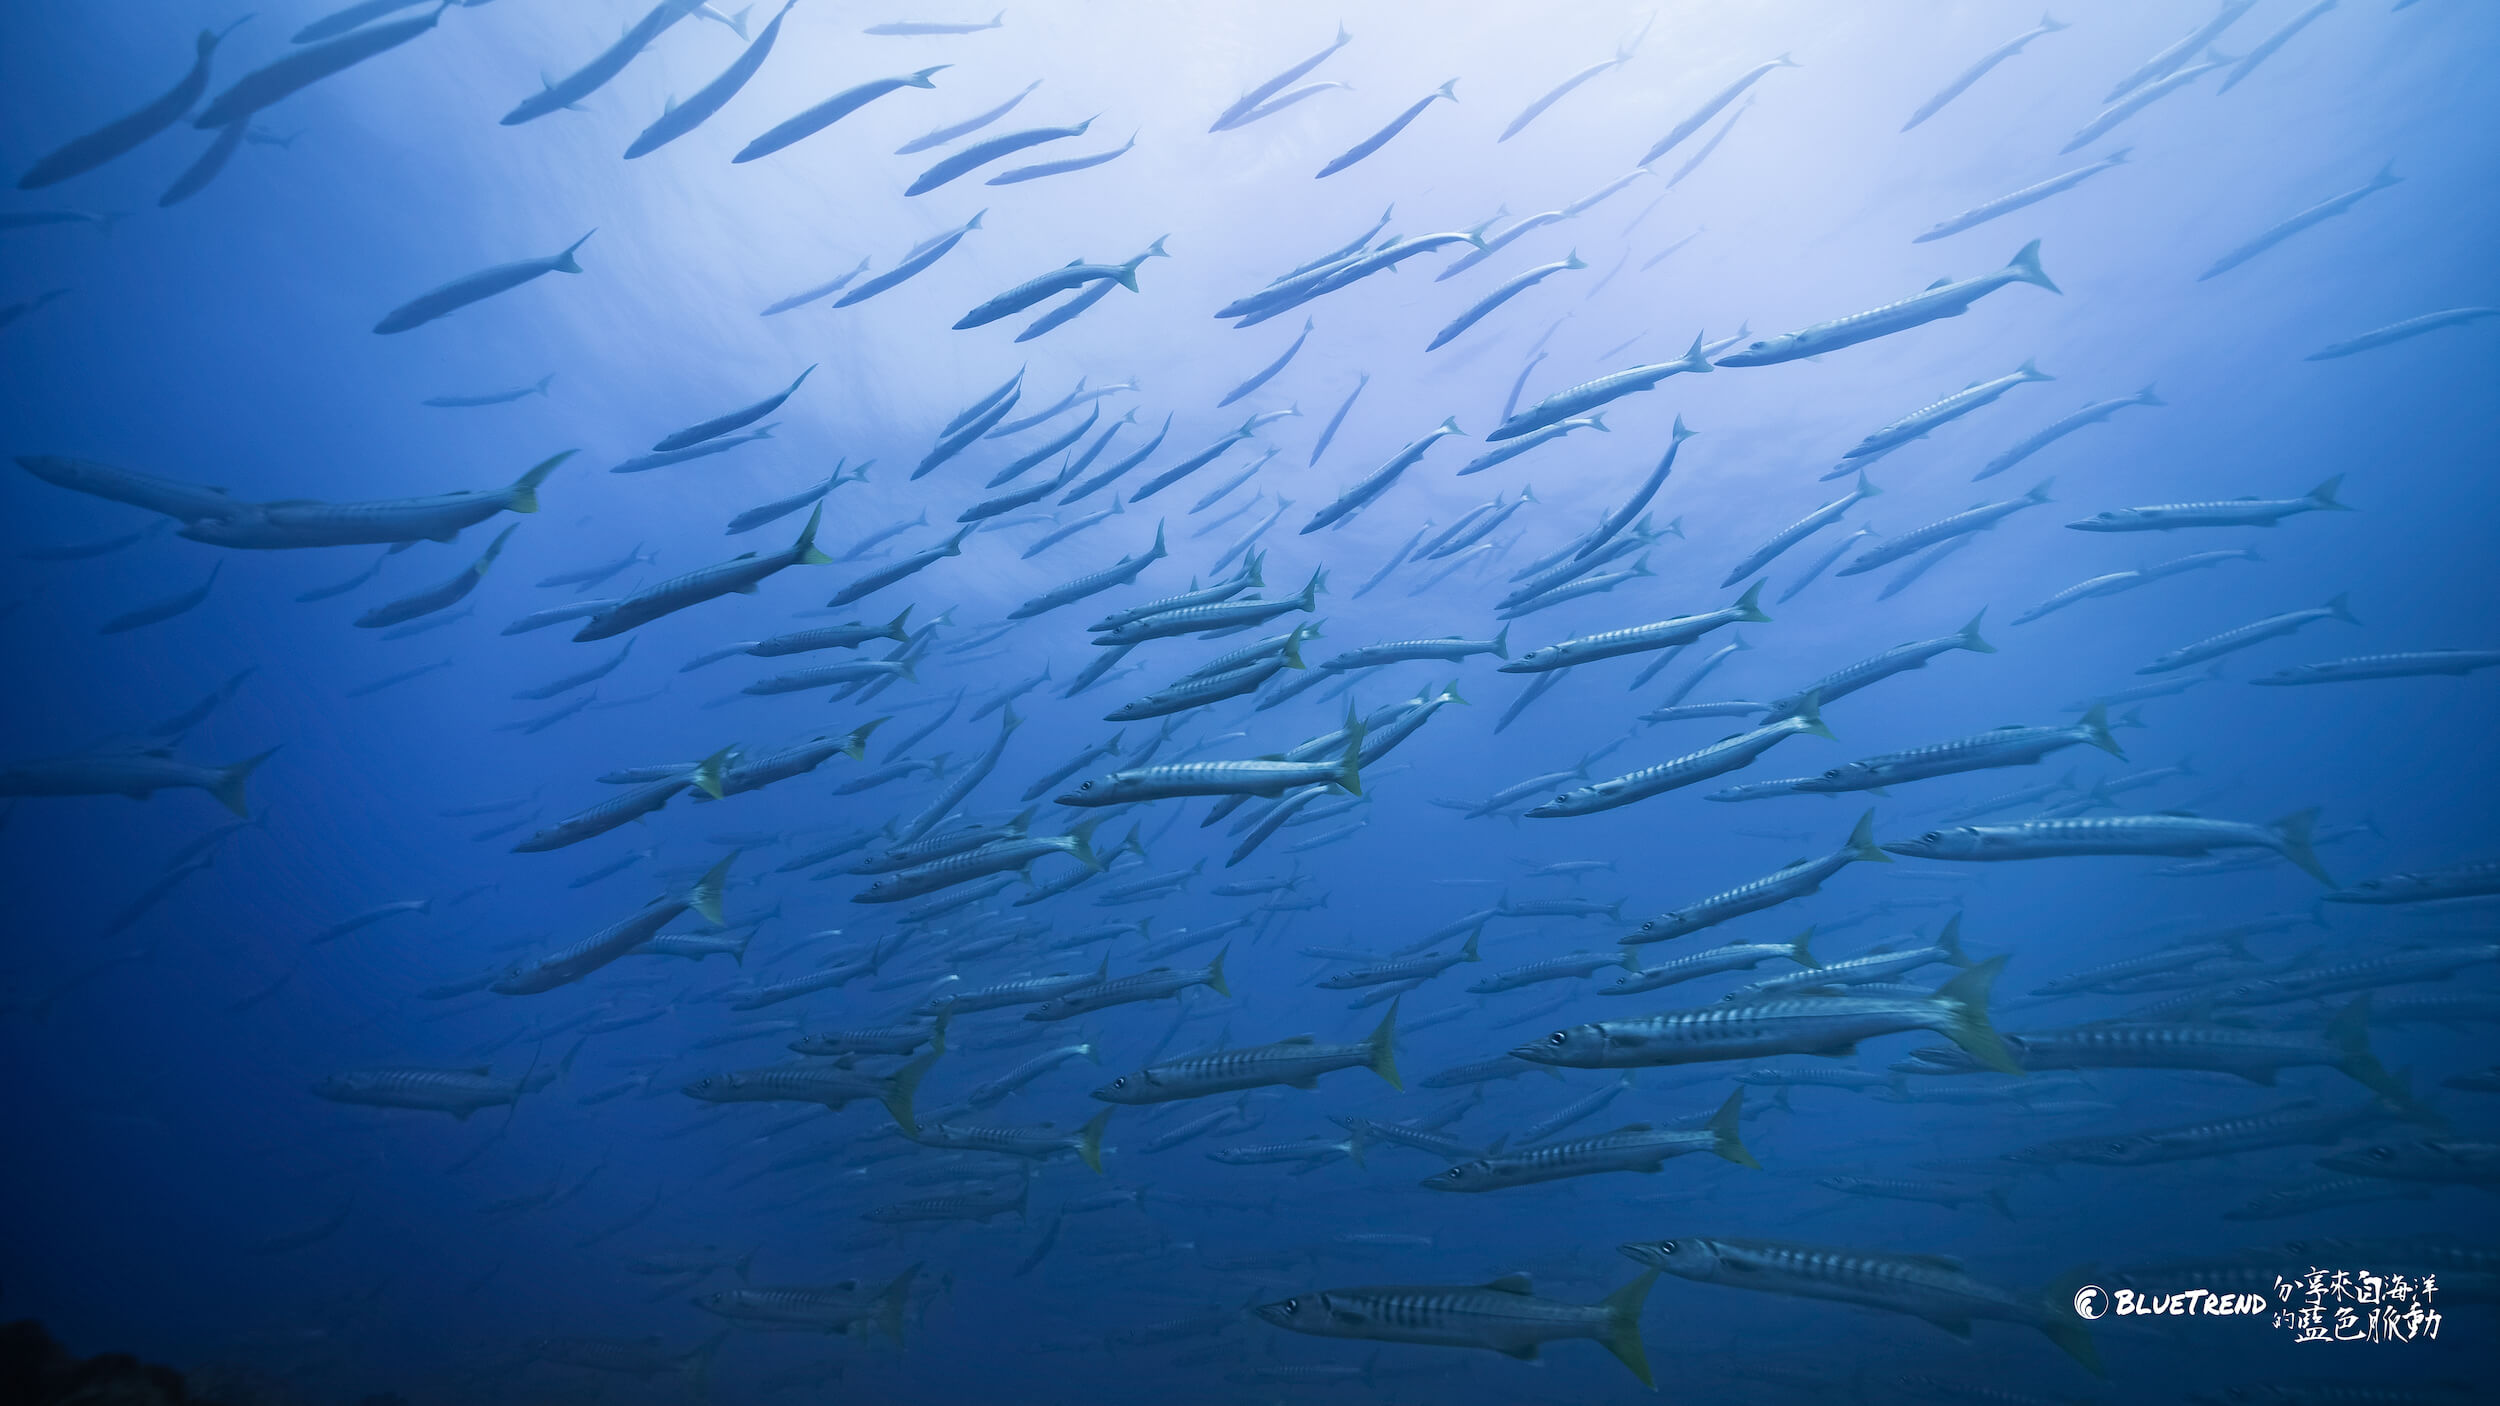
[[2091, 1301]]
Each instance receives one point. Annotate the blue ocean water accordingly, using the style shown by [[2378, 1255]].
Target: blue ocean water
[[184, 1194]]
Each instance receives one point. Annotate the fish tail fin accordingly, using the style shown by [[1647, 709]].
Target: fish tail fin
[[564, 261], [1350, 767], [2323, 496], [1862, 841], [1810, 713], [2063, 1325], [2294, 831], [1089, 1140], [524, 490], [1501, 643], [1158, 551], [697, 1365], [1447, 90], [2051, 24], [1357, 1141], [705, 896], [1383, 1046], [2025, 266], [1292, 652], [543, 382], [855, 746], [1723, 1128], [1468, 952], [1951, 941], [1998, 1203], [2029, 372], [1083, 848], [898, 1094], [1749, 608], [804, 551], [229, 785], [895, 629], [1692, 360], [1965, 998], [1799, 953], [1970, 635], [1215, 972], [707, 773], [2386, 177], [1623, 1326], [2096, 730], [892, 1302]]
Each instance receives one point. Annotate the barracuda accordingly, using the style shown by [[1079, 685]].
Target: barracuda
[[1296, 1062]]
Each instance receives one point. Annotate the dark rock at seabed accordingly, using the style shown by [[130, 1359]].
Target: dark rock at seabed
[[35, 1370]]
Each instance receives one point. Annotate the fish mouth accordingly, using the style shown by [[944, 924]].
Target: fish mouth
[[1643, 1253]]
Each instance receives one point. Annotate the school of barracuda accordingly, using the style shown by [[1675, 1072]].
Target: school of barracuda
[[1118, 780]]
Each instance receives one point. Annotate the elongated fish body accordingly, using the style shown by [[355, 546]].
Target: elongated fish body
[[2362, 974], [1396, 124], [1635, 1147], [1002, 856], [2475, 880], [1512, 449], [1239, 778], [1198, 691], [1023, 991], [137, 775], [829, 637], [1735, 956], [817, 1082], [2322, 1195], [979, 1206], [1368, 489], [2134, 103], [982, 153], [756, 773], [188, 502], [1042, 170], [2265, 48], [1408, 969], [1961, 524], [1998, 747], [1718, 102], [743, 574], [1503, 1316], [470, 288], [607, 815], [968, 126], [2091, 414], [1503, 292], [1792, 881], [920, 257], [2323, 210], [1989, 60], [1589, 395], [1297, 1063], [1921, 422], [1717, 759], [458, 1092], [643, 463], [2163, 64], [1239, 113], [560, 93], [1943, 298], [1826, 1025], [2028, 195], [1572, 967], [1110, 475], [711, 97], [435, 598], [2185, 836], [1682, 630], [847, 1307], [1924, 1286], [467, 402], [2255, 1055], [779, 508], [2399, 331], [301, 523], [2273, 626], [306, 65], [1497, 243], [2235, 512], [888, 1040], [735, 420], [1213, 615], [1099, 993], [1901, 658], [1119, 573], [1033, 1142], [832, 110], [118, 137], [568, 965], [1075, 274], [1800, 530], [829, 675]]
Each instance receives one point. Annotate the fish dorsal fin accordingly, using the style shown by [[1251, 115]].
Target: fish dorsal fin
[[1636, 1128], [1512, 1284], [2182, 814], [1296, 1040], [1944, 1262], [481, 1069], [1939, 283]]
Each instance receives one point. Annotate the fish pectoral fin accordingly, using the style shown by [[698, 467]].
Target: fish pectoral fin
[[1958, 1327], [1943, 1262], [750, 588], [1525, 1352], [1517, 1283], [1939, 283], [1295, 1040], [1847, 1051]]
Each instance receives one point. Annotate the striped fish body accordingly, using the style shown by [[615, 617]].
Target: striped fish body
[[1932, 1287], [1025, 991], [1824, 1025], [458, 1092], [1635, 1147], [1503, 1316], [889, 1040], [1120, 991], [1298, 1062]]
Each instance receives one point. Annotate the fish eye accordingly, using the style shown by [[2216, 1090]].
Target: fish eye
[[2382, 1154], [1120, 1083], [2119, 1146], [1666, 1247], [1291, 1305], [1088, 786], [1559, 1038], [1565, 796], [1833, 773], [1931, 837]]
